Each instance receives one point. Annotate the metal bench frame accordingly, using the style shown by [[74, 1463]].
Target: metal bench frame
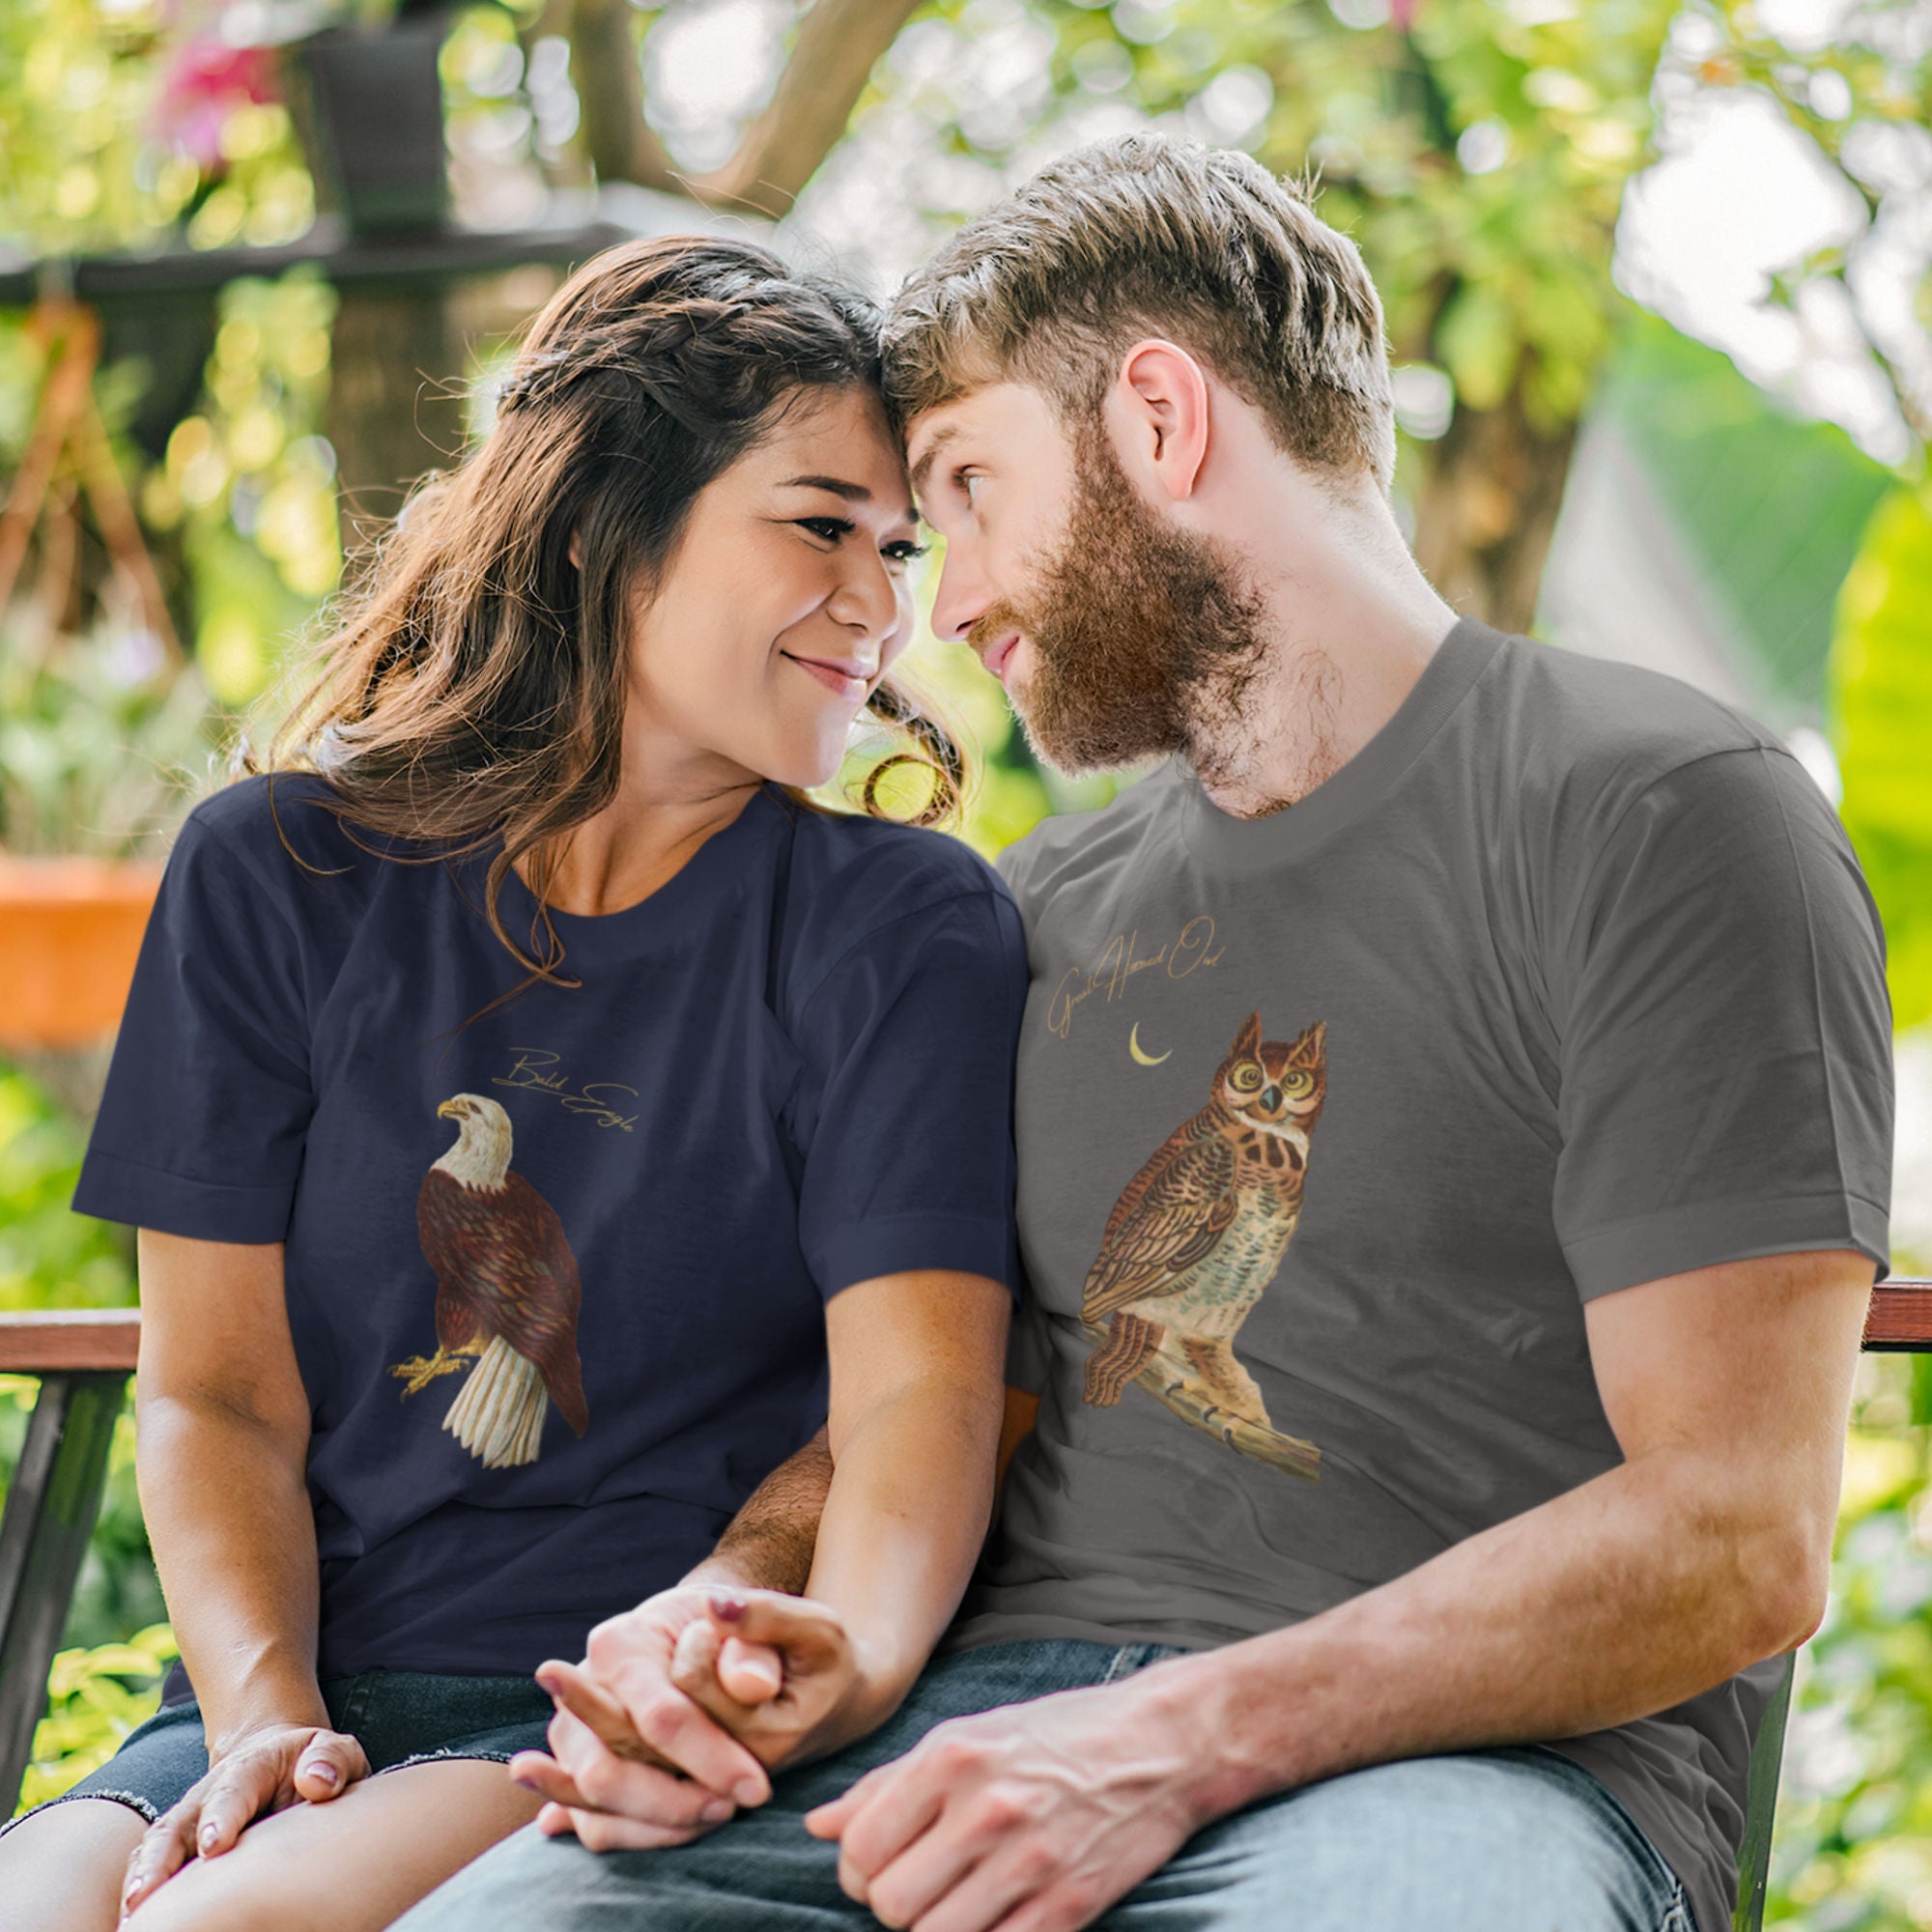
[[83, 1361]]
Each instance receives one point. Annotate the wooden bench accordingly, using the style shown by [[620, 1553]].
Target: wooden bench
[[83, 1361]]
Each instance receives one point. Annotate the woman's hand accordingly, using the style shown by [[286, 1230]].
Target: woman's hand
[[775, 1674], [826, 1697], [630, 1745], [267, 1770]]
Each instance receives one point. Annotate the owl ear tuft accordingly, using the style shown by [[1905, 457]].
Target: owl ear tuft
[[1309, 1046], [1248, 1041]]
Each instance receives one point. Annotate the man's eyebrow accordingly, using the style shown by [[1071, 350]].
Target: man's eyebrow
[[921, 469]]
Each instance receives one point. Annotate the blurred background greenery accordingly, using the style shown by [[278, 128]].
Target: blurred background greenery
[[1656, 276]]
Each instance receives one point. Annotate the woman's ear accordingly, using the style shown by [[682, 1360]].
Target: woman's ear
[[576, 550]]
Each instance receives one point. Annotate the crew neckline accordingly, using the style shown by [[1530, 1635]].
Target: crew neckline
[[657, 918], [1360, 786]]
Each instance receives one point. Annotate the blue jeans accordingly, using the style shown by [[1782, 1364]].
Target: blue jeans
[[1515, 1840]]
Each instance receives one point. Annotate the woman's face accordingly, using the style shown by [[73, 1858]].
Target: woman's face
[[785, 599]]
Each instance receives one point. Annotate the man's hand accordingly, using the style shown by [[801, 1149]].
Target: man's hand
[[681, 1706], [1033, 1818], [267, 1770], [629, 1742]]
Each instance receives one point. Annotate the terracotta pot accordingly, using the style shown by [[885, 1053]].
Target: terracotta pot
[[69, 931]]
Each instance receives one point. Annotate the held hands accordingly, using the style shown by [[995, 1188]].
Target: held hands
[[266, 1770], [682, 1707]]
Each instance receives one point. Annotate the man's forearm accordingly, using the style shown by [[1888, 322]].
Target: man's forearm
[[1614, 1601], [769, 1544]]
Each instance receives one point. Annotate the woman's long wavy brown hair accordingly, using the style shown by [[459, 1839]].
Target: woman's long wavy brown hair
[[472, 688]]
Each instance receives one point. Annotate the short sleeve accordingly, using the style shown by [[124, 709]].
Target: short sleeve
[[906, 1118], [1725, 1036], [208, 1099]]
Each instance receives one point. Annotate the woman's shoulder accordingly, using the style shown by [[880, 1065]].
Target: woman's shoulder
[[283, 830], [858, 860], [855, 880]]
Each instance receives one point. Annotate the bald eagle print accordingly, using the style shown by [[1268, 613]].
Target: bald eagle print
[[506, 1294], [1196, 1238]]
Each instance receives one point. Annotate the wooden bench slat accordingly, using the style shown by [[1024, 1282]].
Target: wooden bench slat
[[54, 1341], [1900, 1318]]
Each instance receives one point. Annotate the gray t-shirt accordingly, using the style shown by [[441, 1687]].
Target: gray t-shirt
[[1331, 1123]]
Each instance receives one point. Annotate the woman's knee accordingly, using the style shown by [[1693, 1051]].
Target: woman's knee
[[64, 1864]]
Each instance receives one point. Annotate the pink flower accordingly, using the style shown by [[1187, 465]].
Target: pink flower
[[206, 81]]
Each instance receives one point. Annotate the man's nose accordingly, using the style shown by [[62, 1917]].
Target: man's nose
[[963, 595]]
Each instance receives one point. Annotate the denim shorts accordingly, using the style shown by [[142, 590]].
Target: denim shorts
[[1510, 1841], [398, 1717]]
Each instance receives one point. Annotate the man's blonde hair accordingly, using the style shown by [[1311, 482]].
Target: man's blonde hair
[[1147, 236]]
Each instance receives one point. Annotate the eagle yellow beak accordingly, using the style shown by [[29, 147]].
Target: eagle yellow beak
[[449, 1111]]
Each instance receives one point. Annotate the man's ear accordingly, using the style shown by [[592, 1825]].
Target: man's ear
[[1159, 412]]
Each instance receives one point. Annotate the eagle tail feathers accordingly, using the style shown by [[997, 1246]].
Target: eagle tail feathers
[[498, 1413]]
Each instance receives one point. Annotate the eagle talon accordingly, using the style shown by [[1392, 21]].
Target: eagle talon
[[421, 1371]]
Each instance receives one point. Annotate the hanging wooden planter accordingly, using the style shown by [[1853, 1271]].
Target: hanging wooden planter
[[69, 932]]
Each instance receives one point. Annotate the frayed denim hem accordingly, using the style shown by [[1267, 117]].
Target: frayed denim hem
[[132, 1800]]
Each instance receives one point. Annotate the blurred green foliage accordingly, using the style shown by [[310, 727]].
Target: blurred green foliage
[[1882, 688]]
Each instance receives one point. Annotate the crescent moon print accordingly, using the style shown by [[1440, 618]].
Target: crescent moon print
[[506, 1294], [1140, 1053], [1195, 1240]]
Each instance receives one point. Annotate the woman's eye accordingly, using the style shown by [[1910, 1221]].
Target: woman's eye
[[904, 551], [829, 529]]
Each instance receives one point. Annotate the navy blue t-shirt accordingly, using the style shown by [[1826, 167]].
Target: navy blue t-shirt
[[557, 1277]]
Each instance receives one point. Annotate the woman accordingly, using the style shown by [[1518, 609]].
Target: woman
[[527, 1102]]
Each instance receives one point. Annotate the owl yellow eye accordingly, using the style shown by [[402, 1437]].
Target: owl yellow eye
[[1247, 1078], [1294, 1085]]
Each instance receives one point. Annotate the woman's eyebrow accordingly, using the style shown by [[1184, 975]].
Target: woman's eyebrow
[[853, 493]]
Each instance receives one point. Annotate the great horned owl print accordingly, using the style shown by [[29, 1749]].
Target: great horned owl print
[[1197, 1235]]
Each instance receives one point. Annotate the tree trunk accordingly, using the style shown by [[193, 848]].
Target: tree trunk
[[395, 406], [1486, 511]]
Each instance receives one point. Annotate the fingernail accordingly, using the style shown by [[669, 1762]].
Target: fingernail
[[208, 1835], [325, 1773], [728, 1609], [747, 1792], [718, 1810]]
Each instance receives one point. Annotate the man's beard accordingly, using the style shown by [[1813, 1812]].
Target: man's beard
[[1144, 637]]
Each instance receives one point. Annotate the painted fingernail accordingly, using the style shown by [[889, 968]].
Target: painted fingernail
[[208, 1835], [728, 1609], [325, 1775], [718, 1810]]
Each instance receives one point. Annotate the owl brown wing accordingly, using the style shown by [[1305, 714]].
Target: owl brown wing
[[505, 1259], [1169, 1217]]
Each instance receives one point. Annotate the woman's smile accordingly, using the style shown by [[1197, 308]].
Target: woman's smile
[[849, 677]]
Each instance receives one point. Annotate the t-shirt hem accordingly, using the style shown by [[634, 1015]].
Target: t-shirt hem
[[113, 1189], [1649, 1247], [964, 1243]]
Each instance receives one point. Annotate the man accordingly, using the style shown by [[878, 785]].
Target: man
[[1454, 1121]]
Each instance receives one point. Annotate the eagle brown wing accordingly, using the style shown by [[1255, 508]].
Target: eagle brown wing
[[1170, 1215], [440, 1227], [511, 1270]]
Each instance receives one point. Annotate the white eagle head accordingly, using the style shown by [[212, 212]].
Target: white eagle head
[[481, 1155]]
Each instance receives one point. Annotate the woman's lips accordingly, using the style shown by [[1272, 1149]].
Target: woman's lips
[[846, 676]]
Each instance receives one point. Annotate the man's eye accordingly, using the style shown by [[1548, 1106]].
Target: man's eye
[[829, 529], [904, 551], [968, 482]]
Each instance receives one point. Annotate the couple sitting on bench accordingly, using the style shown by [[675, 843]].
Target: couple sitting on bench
[[1419, 1158]]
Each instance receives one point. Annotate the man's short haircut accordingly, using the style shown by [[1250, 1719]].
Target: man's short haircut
[[1146, 236]]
